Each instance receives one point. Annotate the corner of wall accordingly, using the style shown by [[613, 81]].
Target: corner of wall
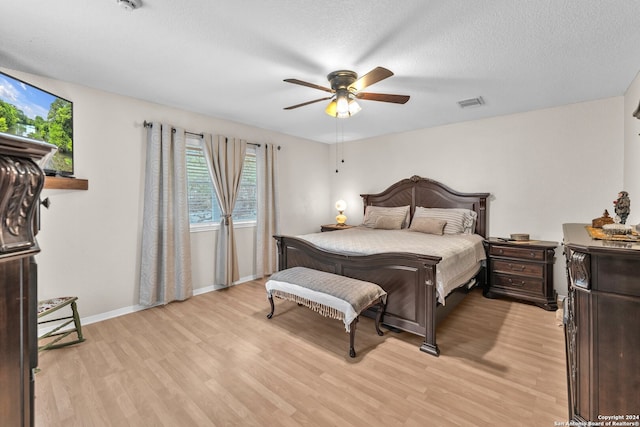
[[631, 172]]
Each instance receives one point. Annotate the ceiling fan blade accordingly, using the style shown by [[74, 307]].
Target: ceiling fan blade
[[307, 84], [307, 103], [373, 76], [384, 97]]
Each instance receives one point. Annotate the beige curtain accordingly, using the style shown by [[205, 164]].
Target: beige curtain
[[225, 158], [267, 222], [165, 264]]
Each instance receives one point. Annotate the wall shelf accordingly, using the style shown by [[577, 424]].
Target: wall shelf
[[62, 183]]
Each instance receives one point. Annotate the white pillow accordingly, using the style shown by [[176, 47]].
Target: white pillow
[[372, 213], [458, 220]]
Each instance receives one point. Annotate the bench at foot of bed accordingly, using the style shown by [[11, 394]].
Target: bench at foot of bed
[[333, 296]]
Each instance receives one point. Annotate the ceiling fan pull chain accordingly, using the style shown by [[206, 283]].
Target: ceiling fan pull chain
[[336, 119], [342, 141]]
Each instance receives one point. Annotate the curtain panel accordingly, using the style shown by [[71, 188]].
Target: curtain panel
[[165, 264], [268, 214], [225, 158]]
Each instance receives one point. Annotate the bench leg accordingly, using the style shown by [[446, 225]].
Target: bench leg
[[270, 315], [352, 337], [379, 317], [76, 321]]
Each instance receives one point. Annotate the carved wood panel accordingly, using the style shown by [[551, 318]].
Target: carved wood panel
[[21, 181]]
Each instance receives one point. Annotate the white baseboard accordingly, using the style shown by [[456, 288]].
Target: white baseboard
[[131, 309]]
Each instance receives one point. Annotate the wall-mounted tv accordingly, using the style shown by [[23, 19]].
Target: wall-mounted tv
[[31, 112]]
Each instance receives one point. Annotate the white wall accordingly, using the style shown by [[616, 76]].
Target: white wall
[[543, 168], [632, 150], [90, 239]]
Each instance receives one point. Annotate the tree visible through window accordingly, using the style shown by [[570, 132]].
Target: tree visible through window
[[203, 203]]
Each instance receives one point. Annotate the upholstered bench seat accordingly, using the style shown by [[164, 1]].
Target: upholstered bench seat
[[331, 295]]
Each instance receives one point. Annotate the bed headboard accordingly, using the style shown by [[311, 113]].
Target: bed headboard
[[425, 192]]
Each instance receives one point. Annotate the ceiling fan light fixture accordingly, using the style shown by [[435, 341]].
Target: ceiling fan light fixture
[[346, 87], [343, 105]]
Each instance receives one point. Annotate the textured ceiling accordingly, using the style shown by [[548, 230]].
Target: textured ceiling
[[227, 59]]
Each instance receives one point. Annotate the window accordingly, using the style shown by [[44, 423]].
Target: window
[[204, 210]]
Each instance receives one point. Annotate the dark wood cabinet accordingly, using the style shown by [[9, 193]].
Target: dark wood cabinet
[[602, 327], [18, 352], [21, 181], [521, 270]]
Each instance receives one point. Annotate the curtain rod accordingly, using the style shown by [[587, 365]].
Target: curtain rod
[[149, 124]]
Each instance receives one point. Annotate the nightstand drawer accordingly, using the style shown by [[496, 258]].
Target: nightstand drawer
[[522, 253], [504, 266], [519, 283]]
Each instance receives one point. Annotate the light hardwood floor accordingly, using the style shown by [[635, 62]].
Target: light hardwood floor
[[216, 360]]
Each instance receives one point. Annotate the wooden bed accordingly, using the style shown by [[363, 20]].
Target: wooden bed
[[408, 279]]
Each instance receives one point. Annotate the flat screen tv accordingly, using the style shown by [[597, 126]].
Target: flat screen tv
[[34, 113]]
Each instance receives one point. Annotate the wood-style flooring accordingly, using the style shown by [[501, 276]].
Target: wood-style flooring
[[216, 360]]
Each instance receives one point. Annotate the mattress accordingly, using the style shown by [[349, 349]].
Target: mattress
[[462, 254]]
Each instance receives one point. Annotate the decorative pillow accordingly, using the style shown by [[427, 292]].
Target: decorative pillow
[[458, 220], [389, 222], [371, 213], [428, 225], [470, 221]]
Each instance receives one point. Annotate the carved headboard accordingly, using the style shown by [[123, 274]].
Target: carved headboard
[[425, 192]]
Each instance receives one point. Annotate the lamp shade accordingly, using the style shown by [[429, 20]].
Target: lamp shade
[[342, 104], [332, 108], [354, 107], [341, 205]]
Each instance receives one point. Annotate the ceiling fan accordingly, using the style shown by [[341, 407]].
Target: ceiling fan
[[346, 87]]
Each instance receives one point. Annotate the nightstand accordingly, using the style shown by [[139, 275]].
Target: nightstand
[[334, 227], [522, 270]]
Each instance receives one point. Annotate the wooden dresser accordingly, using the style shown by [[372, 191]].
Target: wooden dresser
[[21, 181], [602, 328], [522, 270]]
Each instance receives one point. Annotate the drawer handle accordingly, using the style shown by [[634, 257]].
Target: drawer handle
[[519, 267], [511, 282], [533, 254]]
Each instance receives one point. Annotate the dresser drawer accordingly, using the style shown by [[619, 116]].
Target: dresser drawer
[[505, 266], [514, 252], [518, 283]]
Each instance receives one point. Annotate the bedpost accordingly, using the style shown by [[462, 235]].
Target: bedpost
[[282, 253], [429, 345], [482, 217]]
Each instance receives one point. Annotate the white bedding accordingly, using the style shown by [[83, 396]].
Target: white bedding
[[462, 254]]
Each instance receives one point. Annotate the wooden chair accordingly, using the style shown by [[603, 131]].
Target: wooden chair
[[49, 306]]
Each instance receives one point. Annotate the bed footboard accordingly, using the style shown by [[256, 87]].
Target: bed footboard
[[408, 279]]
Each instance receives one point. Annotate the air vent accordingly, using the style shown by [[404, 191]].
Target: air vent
[[471, 102]]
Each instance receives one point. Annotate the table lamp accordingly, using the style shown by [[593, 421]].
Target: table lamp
[[341, 205]]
